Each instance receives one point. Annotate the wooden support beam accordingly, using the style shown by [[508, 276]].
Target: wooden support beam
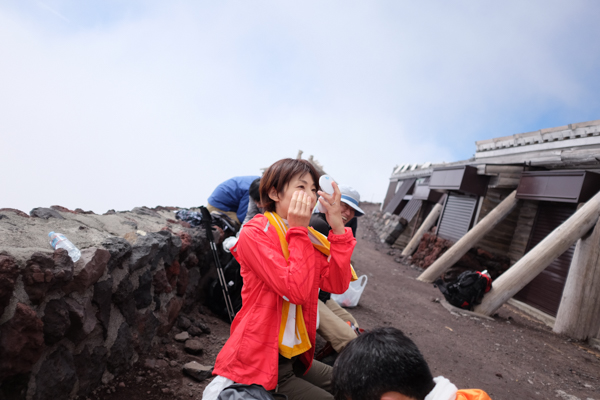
[[425, 226], [579, 310], [454, 253], [538, 258]]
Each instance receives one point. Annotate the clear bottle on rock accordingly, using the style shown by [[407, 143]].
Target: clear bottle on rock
[[60, 241]]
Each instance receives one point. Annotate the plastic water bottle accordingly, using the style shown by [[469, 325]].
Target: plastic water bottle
[[60, 241], [325, 182]]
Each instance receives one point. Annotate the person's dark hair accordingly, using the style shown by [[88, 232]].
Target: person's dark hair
[[380, 361], [253, 190], [280, 174]]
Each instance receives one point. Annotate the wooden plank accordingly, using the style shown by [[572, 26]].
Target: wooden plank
[[454, 253], [536, 260], [580, 304]]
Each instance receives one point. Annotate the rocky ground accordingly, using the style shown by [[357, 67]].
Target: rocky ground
[[512, 356]]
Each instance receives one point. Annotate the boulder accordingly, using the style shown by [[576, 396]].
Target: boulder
[[182, 337], [193, 346], [121, 351], [102, 300], [45, 213], [161, 284], [119, 250], [21, 342], [57, 376], [183, 322], [143, 252], [9, 272], [147, 325], [169, 316], [56, 321], [90, 367], [88, 269], [83, 319], [182, 280], [143, 294], [202, 325], [14, 210], [44, 272], [197, 371], [123, 299], [194, 331]]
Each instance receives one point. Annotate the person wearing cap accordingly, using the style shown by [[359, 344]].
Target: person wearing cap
[[336, 325]]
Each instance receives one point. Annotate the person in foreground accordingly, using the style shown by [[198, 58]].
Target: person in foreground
[[384, 364], [283, 264]]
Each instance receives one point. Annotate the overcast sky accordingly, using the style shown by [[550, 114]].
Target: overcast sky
[[110, 104]]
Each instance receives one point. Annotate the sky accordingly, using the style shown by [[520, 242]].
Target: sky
[[111, 104]]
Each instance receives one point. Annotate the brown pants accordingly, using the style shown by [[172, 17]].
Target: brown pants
[[230, 214], [314, 385], [333, 326]]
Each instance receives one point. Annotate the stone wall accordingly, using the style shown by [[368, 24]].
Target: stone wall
[[66, 328]]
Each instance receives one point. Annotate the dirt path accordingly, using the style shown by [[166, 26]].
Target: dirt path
[[511, 357]]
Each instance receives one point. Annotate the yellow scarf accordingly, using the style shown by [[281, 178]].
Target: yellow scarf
[[293, 336]]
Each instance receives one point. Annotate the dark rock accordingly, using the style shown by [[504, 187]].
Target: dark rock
[[186, 240], [192, 291], [45, 213], [123, 299], [193, 347], [197, 371], [57, 376], [21, 342], [202, 325], [147, 326], [194, 331], [143, 252], [145, 211], [14, 210], [170, 249], [2, 216], [83, 319], [80, 211], [9, 272], [43, 272], [90, 367], [119, 250], [183, 322], [170, 315], [110, 212], [143, 294], [161, 284], [88, 269], [172, 273], [14, 387], [102, 296], [121, 351], [56, 321], [62, 209]]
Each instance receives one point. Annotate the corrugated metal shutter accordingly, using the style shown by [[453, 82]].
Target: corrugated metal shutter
[[395, 205], [390, 194], [457, 216], [411, 209], [545, 291]]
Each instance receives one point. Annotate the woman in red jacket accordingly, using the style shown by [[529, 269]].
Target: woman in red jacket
[[283, 264]]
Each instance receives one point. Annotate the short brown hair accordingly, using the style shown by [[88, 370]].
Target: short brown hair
[[280, 174]]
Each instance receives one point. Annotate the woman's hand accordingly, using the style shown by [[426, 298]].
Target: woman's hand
[[300, 209], [331, 202]]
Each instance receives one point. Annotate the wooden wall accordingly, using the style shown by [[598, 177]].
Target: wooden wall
[[499, 240], [527, 212]]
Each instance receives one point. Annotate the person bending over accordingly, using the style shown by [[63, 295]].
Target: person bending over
[[283, 264], [384, 364], [231, 197]]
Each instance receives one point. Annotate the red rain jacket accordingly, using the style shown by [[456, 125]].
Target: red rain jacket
[[251, 354], [472, 394]]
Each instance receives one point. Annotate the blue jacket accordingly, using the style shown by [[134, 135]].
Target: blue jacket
[[232, 195]]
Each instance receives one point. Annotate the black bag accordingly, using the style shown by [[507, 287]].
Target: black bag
[[234, 281], [468, 289], [239, 391]]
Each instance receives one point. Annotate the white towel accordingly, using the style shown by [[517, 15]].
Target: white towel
[[443, 390]]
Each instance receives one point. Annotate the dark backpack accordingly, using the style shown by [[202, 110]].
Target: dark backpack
[[239, 391], [216, 301], [467, 290]]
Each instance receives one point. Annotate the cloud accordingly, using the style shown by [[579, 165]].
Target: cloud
[[156, 103]]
